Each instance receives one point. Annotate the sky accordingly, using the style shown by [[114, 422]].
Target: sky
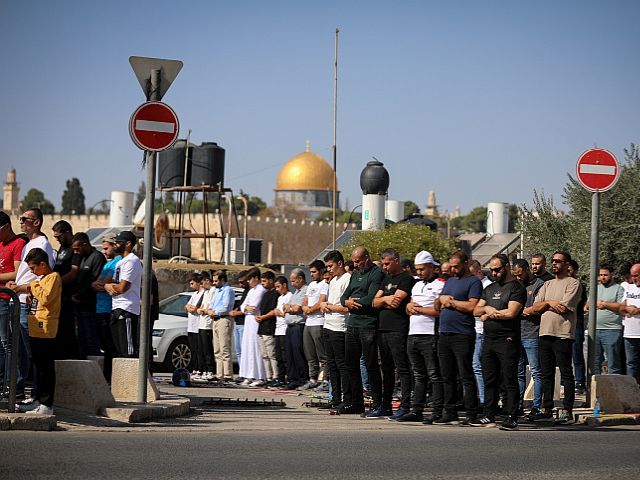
[[479, 101]]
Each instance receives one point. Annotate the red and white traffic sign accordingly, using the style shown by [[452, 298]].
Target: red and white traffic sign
[[597, 170], [154, 126]]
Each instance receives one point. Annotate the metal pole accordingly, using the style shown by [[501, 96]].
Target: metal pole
[[593, 289], [151, 157], [335, 123], [14, 316]]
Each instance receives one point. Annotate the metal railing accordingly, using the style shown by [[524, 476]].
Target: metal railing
[[14, 347]]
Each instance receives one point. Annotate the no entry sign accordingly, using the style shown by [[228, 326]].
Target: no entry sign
[[597, 170], [154, 126]]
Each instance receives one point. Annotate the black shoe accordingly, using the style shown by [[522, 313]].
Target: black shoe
[[541, 415], [580, 389], [482, 422], [529, 417], [431, 419], [291, 386], [467, 421], [411, 417], [447, 419], [510, 423], [351, 409]]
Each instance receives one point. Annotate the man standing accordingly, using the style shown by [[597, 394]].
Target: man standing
[[251, 367], [297, 367], [30, 225], [205, 331], [317, 291], [422, 340], [11, 247], [579, 365], [192, 307], [335, 316], [125, 293], [631, 310], [267, 328], [238, 319], [392, 300], [219, 310], [608, 322], [67, 265], [84, 297], [539, 267], [557, 302], [103, 301], [362, 330], [476, 269], [529, 334], [460, 296], [282, 287], [499, 309]]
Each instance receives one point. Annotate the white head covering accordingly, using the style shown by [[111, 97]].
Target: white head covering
[[425, 257]]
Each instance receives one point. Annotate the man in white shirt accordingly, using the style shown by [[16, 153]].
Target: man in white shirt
[[282, 287], [196, 283], [423, 340], [317, 291], [125, 293], [334, 329], [631, 311]]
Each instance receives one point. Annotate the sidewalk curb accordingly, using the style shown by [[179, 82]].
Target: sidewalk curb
[[166, 407], [608, 420], [22, 421]]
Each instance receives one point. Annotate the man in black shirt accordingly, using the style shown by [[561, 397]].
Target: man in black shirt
[[539, 266], [267, 328], [67, 265], [500, 308], [392, 300], [84, 296]]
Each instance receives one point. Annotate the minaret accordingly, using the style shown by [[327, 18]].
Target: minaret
[[432, 207], [11, 192]]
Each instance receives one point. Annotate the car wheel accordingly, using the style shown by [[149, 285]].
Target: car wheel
[[178, 355]]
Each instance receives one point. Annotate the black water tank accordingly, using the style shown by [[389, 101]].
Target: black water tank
[[207, 166], [171, 165], [374, 179]]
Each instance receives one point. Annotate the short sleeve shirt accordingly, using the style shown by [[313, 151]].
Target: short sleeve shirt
[[462, 289], [632, 324], [314, 291], [396, 319], [425, 294], [498, 296], [9, 254], [129, 268]]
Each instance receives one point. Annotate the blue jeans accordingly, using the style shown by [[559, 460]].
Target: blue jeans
[[237, 340], [578, 357], [529, 354], [477, 366], [632, 351], [363, 373], [88, 337], [610, 342]]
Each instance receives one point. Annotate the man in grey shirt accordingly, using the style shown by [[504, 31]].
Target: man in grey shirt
[[297, 369]]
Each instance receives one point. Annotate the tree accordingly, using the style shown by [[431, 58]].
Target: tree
[[35, 199], [410, 208], [73, 198], [406, 238], [140, 196]]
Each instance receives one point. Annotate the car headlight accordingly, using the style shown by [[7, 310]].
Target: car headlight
[[157, 332]]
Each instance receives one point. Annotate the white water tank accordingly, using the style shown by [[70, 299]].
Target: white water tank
[[394, 210], [373, 212], [121, 211], [497, 218]]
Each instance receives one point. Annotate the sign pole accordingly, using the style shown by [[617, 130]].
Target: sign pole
[[143, 364], [593, 289]]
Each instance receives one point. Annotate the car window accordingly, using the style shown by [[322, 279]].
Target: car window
[[174, 305]]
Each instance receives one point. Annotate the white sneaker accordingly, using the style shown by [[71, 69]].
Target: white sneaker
[[195, 375], [257, 383], [27, 407], [41, 410], [209, 376], [246, 382]]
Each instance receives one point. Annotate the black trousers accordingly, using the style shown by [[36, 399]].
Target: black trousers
[[106, 342], [125, 327], [66, 339], [338, 375], [360, 342], [393, 355], [499, 359], [554, 351], [455, 353], [196, 355], [280, 357], [297, 367], [205, 346], [43, 354], [423, 354]]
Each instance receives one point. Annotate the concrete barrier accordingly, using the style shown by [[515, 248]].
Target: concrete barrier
[[124, 381], [80, 385], [617, 393]]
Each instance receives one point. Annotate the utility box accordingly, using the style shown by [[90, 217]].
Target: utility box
[[234, 252]]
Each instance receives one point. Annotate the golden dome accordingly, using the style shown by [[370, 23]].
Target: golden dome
[[305, 171]]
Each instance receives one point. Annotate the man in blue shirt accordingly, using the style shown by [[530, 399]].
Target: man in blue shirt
[[219, 308], [457, 339]]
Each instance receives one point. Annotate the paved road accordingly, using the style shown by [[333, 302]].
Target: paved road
[[368, 450]]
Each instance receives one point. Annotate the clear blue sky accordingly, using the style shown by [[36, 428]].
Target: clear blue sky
[[480, 101]]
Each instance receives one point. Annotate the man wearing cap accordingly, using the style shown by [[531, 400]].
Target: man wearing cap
[[125, 297], [10, 254], [103, 300], [422, 340]]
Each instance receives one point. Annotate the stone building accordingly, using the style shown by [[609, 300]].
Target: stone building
[[11, 193]]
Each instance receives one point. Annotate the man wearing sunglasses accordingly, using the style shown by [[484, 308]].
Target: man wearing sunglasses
[[499, 309], [557, 302], [30, 224]]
